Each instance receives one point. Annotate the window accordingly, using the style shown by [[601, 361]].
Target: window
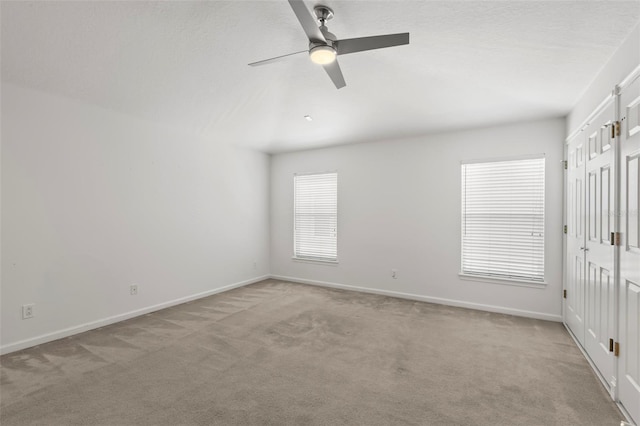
[[315, 216], [503, 219]]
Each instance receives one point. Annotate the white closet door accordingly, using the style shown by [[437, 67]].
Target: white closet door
[[575, 270], [629, 333], [600, 295]]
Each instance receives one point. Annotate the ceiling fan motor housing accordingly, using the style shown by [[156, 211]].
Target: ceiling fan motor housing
[[328, 48]]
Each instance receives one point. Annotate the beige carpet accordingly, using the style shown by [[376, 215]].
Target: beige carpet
[[277, 353]]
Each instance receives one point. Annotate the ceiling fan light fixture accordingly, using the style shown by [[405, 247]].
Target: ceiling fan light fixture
[[322, 55]]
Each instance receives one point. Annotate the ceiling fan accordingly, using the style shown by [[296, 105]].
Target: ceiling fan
[[323, 45]]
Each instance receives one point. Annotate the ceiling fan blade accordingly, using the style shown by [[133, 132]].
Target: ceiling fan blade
[[352, 45], [307, 21], [333, 69], [276, 59]]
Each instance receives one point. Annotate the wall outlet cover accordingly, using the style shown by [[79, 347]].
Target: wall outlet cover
[[28, 311]]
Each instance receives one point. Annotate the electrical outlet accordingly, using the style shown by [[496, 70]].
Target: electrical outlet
[[133, 289], [394, 273], [27, 311]]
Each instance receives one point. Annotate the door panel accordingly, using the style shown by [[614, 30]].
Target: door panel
[[606, 212], [592, 214], [575, 280], [599, 253], [629, 333]]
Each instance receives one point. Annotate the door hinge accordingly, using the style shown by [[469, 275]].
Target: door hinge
[[616, 238], [566, 164], [564, 229], [610, 345], [616, 349], [615, 129], [564, 294]]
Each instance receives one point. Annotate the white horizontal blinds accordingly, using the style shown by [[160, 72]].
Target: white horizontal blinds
[[503, 219], [316, 216]]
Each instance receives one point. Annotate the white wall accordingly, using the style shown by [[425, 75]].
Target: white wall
[[93, 201], [399, 207], [622, 62]]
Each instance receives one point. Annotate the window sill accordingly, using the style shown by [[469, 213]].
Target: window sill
[[503, 281], [319, 261]]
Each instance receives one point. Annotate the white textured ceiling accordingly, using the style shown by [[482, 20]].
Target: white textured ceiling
[[469, 63]]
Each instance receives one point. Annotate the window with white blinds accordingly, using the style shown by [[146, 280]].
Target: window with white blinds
[[316, 216], [503, 219]]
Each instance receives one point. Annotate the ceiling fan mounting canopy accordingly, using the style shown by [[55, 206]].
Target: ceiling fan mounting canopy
[[324, 47], [323, 13]]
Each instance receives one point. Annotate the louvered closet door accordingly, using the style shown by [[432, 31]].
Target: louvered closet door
[[629, 332], [599, 312], [575, 268]]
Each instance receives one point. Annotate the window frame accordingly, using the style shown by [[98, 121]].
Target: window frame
[[311, 259], [498, 278]]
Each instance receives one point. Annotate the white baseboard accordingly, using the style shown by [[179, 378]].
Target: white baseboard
[[44, 338], [611, 391], [599, 375], [421, 298]]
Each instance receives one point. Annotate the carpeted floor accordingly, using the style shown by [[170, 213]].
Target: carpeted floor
[[277, 353]]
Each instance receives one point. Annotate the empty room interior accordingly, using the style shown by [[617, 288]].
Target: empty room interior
[[288, 212]]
